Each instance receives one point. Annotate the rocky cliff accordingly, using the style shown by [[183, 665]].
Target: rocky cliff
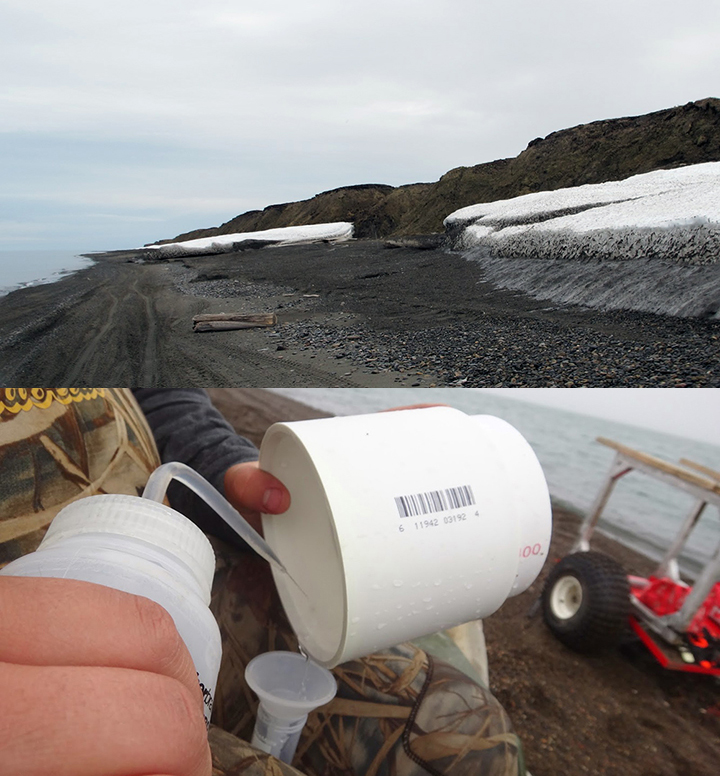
[[606, 150]]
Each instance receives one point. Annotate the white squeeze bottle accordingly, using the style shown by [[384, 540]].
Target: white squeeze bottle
[[143, 547]]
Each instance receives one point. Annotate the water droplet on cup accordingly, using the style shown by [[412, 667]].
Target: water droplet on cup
[[437, 582], [355, 619], [397, 582], [381, 625]]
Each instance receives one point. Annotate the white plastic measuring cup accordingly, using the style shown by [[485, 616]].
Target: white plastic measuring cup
[[289, 687], [402, 524]]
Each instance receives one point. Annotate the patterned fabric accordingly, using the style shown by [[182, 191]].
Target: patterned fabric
[[58, 445], [398, 713], [232, 756]]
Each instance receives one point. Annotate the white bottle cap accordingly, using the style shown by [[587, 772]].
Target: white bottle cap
[[142, 519]]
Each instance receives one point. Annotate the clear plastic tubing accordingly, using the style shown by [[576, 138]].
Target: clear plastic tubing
[[157, 486]]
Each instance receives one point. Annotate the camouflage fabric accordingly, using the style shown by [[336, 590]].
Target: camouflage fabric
[[231, 756], [397, 713], [58, 445]]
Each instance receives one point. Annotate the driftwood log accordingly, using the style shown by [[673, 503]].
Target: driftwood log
[[229, 321]]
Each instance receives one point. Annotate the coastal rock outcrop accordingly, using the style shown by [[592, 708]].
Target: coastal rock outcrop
[[600, 151]]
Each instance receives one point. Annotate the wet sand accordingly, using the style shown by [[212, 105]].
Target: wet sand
[[617, 713], [349, 314]]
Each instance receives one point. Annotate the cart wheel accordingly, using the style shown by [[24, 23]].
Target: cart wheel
[[586, 601]]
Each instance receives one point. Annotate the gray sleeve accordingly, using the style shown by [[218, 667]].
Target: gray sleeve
[[188, 428]]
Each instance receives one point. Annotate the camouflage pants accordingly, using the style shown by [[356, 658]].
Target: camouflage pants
[[398, 713]]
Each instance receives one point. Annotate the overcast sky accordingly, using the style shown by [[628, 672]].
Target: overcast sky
[[123, 123], [685, 412]]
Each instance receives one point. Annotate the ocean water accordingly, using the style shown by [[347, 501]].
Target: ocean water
[[642, 513], [30, 268]]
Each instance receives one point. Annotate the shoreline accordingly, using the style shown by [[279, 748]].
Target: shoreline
[[52, 276], [349, 314]]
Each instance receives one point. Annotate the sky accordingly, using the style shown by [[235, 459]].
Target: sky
[[124, 123], [687, 412]]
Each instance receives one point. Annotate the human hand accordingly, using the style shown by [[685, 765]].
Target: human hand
[[252, 491], [95, 682]]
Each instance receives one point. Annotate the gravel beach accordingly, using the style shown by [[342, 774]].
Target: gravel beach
[[616, 713], [349, 314]]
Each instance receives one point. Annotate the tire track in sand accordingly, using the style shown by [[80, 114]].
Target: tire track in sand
[[150, 351], [91, 349], [145, 371]]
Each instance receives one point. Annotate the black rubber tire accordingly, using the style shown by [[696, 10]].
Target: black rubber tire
[[601, 619]]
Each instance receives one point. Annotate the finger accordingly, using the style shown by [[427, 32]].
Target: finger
[[249, 488], [63, 622], [76, 721]]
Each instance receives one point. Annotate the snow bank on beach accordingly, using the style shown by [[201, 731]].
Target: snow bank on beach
[[224, 243], [672, 214], [649, 243]]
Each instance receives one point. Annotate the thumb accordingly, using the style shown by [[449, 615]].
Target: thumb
[[249, 489]]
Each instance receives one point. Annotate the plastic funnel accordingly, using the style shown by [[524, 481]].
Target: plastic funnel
[[289, 687]]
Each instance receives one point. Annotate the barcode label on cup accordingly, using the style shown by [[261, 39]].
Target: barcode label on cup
[[434, 501]]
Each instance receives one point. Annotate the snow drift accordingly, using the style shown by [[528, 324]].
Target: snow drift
[[648, 243], [226, 243]]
